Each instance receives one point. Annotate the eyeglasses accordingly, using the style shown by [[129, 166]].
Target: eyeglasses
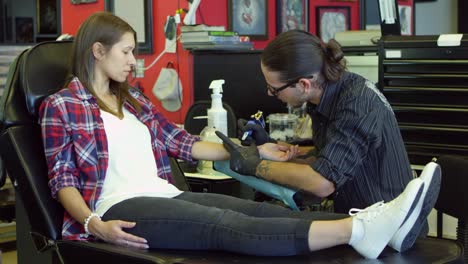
[[275, 91]]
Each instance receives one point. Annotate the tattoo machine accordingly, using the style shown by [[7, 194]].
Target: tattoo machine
[[257, 119]]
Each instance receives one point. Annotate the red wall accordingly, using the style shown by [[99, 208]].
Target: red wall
[[213, 12], [74, 15]]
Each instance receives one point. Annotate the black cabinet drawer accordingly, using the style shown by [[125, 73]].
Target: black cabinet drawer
[[432, 116], [425, 80], [422, 154], [435, 136], [449, 67], [433, 97]]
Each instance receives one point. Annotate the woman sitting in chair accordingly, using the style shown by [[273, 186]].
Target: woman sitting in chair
[[107, 149]]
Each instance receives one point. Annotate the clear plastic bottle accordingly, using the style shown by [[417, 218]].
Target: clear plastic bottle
[[217, 115], [206, 166]]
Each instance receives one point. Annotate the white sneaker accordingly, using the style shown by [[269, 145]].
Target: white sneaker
[[407, 234], [381, 220]]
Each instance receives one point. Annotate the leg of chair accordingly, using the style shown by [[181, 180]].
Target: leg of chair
[[440, 224], [462, 237]]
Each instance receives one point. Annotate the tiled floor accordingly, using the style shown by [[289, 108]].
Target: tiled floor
[[8, 253], [9, 257]]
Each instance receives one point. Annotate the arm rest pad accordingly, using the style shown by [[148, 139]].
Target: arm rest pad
[[271, 189]]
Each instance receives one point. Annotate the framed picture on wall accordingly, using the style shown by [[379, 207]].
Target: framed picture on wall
[[406, 19], [139, 14], [47, 17], [24, 29], [292, 14], [249, 18], [332, 19]]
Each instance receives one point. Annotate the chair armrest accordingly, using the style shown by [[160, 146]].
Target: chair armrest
[[271, 189], [99, 252]]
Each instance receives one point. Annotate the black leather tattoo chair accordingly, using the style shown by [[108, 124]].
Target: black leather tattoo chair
[[40, 71]]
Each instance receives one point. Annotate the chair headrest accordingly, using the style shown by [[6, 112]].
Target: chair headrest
[[41, 71], [44, 71]]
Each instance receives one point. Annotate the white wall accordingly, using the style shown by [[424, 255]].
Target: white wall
[[23, 8], [437, 17]]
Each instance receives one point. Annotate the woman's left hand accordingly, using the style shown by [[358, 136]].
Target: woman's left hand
[[113, 232], [276, 152]]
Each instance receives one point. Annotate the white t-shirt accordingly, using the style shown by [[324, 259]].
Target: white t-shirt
[[132, 170]]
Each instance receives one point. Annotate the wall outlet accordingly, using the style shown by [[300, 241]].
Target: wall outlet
[[139, 68], [171, 45]]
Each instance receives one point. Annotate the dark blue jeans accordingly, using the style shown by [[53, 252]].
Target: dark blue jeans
[[207, 221]]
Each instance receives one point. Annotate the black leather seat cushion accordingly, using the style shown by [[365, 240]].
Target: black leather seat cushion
[[429, 250]]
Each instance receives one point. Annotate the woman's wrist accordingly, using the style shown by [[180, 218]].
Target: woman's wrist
[[88, 220]]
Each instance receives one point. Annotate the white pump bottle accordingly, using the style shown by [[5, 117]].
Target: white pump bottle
[[217, 120], [217, 115]]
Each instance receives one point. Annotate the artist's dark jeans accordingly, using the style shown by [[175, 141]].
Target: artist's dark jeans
[[207, 221]]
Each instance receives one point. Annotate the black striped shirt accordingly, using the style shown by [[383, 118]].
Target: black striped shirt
[[359, 145]]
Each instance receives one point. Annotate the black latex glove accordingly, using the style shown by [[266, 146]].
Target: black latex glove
[[244, 160], [259, 136]]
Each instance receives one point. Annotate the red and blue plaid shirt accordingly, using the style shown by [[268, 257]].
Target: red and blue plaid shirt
[[76, 149]]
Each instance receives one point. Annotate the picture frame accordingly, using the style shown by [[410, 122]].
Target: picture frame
[[405, 13], [47, 17], [24, 29], [249, 18], [292, 14], [139, 14], [332, 19]]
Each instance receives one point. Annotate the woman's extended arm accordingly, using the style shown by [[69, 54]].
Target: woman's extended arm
[[206, 150]]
